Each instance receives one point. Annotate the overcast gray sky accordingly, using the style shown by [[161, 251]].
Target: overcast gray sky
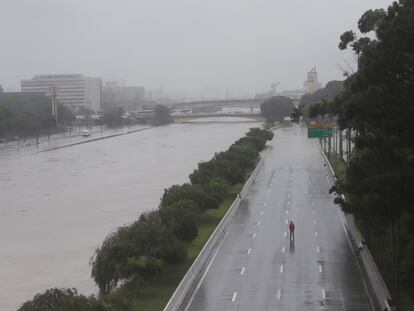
[[191, 46]]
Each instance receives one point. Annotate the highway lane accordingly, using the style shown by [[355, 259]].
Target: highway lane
[[256, 268]]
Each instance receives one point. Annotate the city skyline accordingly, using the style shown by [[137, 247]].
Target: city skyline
[[196, 49]]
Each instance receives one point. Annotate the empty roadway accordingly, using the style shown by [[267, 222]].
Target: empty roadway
[[255, 267]]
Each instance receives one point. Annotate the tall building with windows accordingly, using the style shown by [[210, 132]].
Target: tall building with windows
[[73, 90]]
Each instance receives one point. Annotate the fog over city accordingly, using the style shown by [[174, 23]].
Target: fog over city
[[187, 47]]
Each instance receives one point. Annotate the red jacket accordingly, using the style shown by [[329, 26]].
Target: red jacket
[[291, 226]]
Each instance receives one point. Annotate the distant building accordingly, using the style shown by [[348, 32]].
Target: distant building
[[312, 84], [128, 97], [114, 83], [73, 90]]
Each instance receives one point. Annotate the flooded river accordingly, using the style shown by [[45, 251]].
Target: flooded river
[[56, 207]]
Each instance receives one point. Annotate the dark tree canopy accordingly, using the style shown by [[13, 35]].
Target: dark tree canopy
[[113, 117], [64, 299], [327, 93], [276, 108], [162, 115], [377, 106]]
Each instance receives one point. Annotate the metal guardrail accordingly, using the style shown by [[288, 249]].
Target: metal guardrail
[[188, 284], [377, 287]]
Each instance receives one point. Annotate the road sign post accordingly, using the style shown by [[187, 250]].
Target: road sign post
[[319, 131]]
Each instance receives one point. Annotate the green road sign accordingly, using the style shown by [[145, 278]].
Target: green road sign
[[315, 132]]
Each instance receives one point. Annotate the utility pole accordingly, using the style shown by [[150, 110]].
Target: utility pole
[[53, 95]]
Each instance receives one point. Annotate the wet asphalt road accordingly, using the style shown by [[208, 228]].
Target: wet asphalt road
[[257, 269]]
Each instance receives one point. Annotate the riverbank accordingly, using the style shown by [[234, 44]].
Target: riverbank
[[69, 138]]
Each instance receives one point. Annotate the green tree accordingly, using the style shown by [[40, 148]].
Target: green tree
[[7, 121], [64, 299], [297, 113], [113, 117], [377, 104], [162, 115], [327, 93], [28, 124], [181, 218], [135, 253], [218, 188], [276, 108], [188, 192]]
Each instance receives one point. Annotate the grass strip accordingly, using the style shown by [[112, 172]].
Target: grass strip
[[156, 293], [338, 166]]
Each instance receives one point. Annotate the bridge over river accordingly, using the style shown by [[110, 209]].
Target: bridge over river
[[253, 116]]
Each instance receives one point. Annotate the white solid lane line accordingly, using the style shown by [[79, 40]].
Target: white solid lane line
[[281, 268], [233, 299], [320, 268], [323, 294], [242, 270]]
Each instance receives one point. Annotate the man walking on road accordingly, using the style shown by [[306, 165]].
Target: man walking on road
[[292, 231]]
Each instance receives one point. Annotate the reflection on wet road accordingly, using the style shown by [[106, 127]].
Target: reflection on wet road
[[257, 268]]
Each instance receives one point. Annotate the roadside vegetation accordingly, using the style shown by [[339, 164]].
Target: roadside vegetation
[[376, 107], [23, 116], [276, 108], [28, 117], [139, 265]]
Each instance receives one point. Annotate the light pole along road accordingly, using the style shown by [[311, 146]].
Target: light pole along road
[[256, 269]]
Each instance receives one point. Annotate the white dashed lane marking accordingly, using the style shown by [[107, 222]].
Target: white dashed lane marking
[[233, 299], [279, 293]]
